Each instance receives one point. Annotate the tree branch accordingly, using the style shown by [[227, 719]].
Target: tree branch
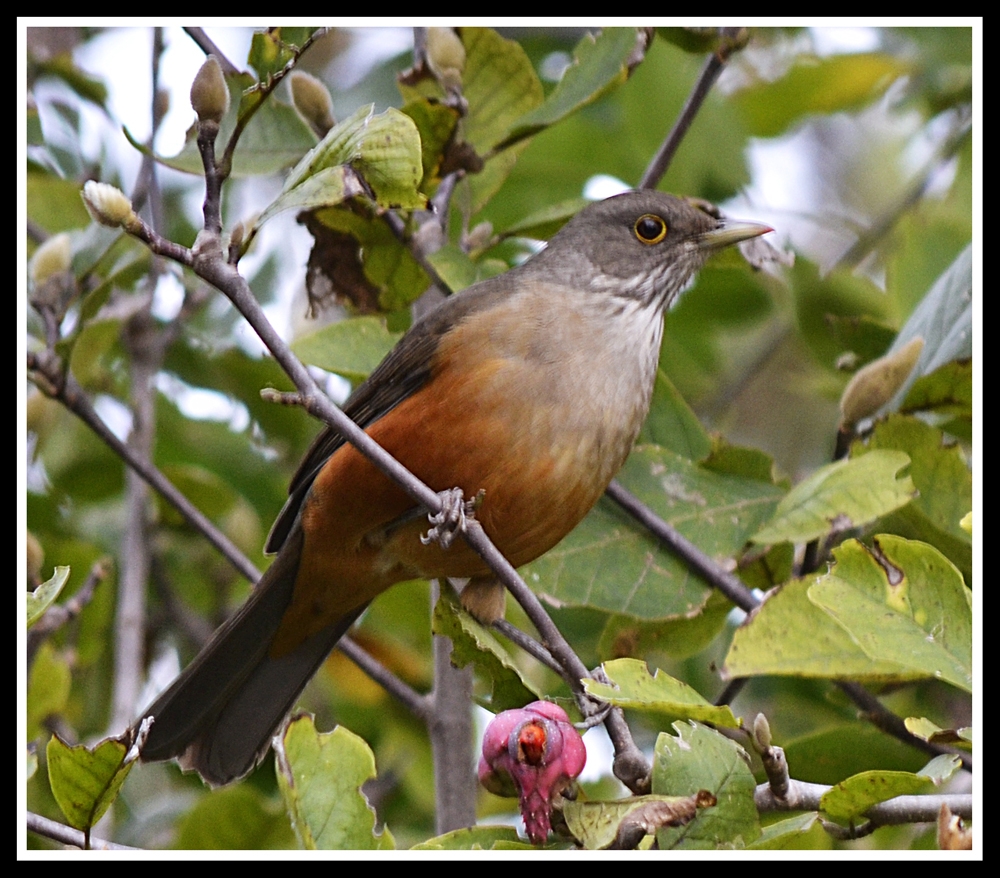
[[732, 39], [202, 40], [740, 595], [804, 796], [210, 264], [68, 835], [63, 387]]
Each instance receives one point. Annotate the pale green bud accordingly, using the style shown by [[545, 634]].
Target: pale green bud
[[209, 94], [313, 102], [875, 384], [762, 731], [52, 257], [107, 204]]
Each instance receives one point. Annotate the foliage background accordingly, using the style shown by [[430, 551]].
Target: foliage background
[[856, 156]]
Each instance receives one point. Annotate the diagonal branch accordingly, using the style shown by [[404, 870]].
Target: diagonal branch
[[65, 388], [739, 594], [211, 266], [205, 43], [732, 39], [64, 834]]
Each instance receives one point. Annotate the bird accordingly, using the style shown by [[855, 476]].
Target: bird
[[526, 390]]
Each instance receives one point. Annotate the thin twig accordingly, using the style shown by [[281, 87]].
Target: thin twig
[[210, 265], [204, 43], [882, 225], [263, 89], [64, 388], [696, 560], [804, 796], [62, 613], [739, 594], [418, 704], [527, 643], [68, 835], [733, 38], [882, 718]]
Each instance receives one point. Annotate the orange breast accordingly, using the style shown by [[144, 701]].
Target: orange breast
[[490, 419]]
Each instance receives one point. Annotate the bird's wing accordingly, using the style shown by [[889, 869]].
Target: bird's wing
[[406, 369]]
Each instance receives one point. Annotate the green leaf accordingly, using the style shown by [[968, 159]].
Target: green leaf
[[851, 798], [698, 40], [737, 460], [55, 204], [499, 84], [859, 336], [945, 391], [383, 149], [902, 602], [320, 776], [611, 563], [48, 688], [236, 818], [327, 187], [595, 824], [600, 64], [677, 638], [351, 347], [840, 310], [672, 424], [475, 643], [85, 781], [844, 494], [455, 267], [930, 731], [477, 838], [43, 597], [543, 223], [944, 482], [840, 82], [62, 65], [271, 50], [631, 685], [799, 833], [790, 635], [435, 125], [387, 262], [702, 759], [90, 352], [834, 750]]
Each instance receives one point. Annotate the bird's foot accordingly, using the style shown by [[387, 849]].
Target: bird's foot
[[452, 518]]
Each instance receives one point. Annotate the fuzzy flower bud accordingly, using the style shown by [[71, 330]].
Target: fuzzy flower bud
[[52, 257], [107, 204], [875, 384], [535, 754], [313, 102], [209, 94]]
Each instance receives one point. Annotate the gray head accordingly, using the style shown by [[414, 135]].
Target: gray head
[[642, 245]]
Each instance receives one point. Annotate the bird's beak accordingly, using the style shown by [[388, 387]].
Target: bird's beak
[[731, 232]]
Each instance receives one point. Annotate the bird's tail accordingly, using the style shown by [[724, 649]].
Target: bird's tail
[[218, 716]]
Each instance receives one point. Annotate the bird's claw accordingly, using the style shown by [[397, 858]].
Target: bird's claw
[[452, 518]]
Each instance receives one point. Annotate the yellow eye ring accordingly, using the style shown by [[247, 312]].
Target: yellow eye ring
[[650, 228]]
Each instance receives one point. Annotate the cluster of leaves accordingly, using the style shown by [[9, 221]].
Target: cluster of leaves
[[760, 356]]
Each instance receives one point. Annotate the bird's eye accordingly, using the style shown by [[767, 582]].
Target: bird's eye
[[650, 229]]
